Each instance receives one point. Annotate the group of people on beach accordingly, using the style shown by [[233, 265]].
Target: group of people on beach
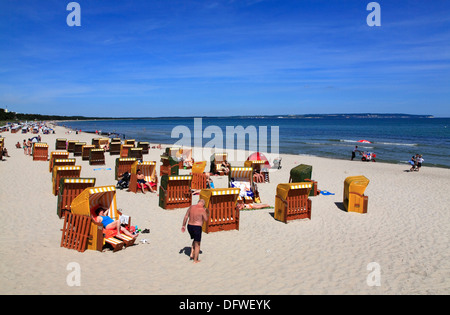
[[27, 145], [416, 162]]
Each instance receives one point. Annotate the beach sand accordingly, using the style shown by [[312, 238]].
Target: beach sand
[[405, 232]]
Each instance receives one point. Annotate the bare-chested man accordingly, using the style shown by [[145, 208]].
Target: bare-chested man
[[196, 214], [141, 180]]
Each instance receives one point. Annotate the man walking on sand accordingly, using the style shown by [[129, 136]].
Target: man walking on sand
[[196, 214]]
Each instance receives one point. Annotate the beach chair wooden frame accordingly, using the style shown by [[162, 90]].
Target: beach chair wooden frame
[[62, 172], [124, 150], [70, 145], [69, 189], [218, 158], [169, 164], [135, 153], [175, 192], [244, 174], [61, 144], [354, 199], [114, 148], [257, 165], [131, 142], [123, 165], [97, 157], [198, 175], [75, 232], [54, 155], [78, 148], [86, 203], [303, 173], [222, 206], [64, 162], [148, 169], [144, 145], [40, 151], [292, 202], [86, 151]]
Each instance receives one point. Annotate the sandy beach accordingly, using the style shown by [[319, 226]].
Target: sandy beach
[[405, 232]]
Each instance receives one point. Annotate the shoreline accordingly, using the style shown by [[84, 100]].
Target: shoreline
[[405, 231]]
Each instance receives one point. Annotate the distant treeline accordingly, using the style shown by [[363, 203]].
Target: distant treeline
[[12, 116]]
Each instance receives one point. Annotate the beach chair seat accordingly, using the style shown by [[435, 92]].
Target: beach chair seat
[[123, 165], [97, 157], [75, 232], [292, 202], [69, 189], [175, 192], [354, 199], [56, 155], [144, 145], [114, 148], [303, 173], [148, 169], [78, 148], [61, 144], [86, 203], [86, 151], [62, 172], [223, 211], [40, 151]]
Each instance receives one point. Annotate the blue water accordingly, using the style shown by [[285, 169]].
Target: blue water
[[393, 140]]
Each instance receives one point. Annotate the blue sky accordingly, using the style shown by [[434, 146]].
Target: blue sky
[[132, 58]]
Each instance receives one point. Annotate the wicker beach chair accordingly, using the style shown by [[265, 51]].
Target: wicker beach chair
[[198, 175], [86, 203], [144, 145], [292, 202], [303, 173], [70, 145], [258, 166], [354, 199], [78, 148], [135, 153], [216, 162], [69, 189], [114, 148], [123, 165], [124, 150], [61, 144], [62, 172], [148, 169], [169, 163], [86, 151], [175, 191], [40, 151], [97, 157], [56, 155], [223, 211], [242, 178]]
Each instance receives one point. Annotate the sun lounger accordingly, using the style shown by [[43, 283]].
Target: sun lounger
[[61, 172], [354, 198], [292, 202], [148, 169], [61, 144], [175, 192], [40, 151], [303, 173], [223, 211], [69, 189], [56, 155], [86, 203]]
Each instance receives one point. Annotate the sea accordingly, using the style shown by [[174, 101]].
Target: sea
[[392, 140]]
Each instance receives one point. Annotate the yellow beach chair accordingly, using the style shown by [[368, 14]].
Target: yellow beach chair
[[223, 211], [242, 178], [86, 203], [148, 169], [292, 202], [257, 166], [354, 199]]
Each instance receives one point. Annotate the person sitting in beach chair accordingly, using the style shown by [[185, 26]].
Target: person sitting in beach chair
[[110, 224], [143, 183]]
